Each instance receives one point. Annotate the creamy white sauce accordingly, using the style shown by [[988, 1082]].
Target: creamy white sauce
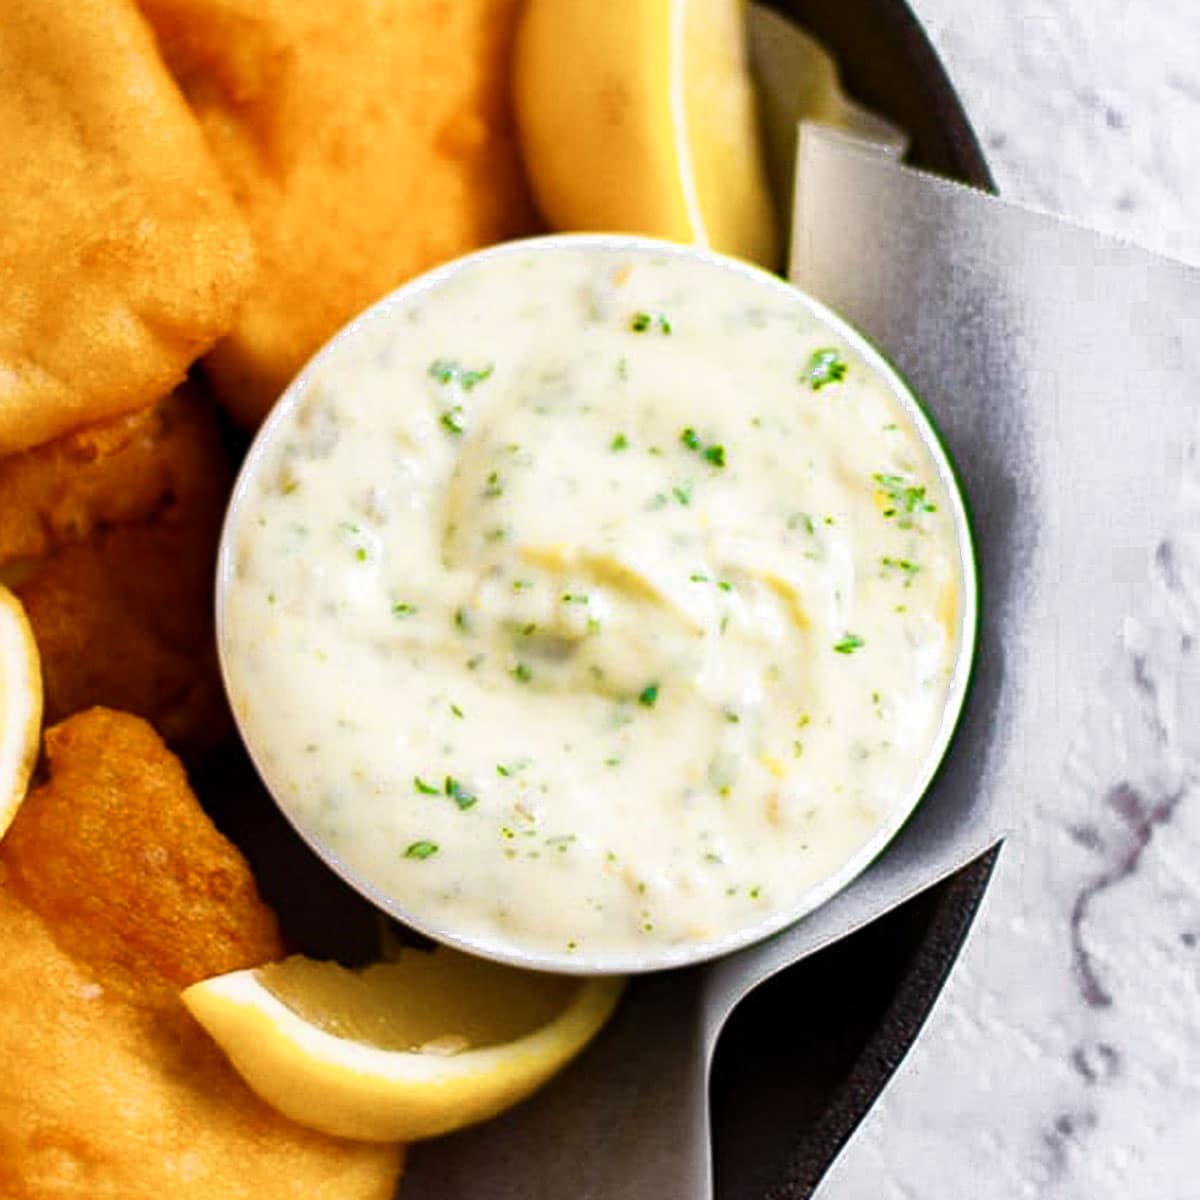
[[593, 601]]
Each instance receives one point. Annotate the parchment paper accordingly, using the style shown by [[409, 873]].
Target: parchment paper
[[1063, 369]]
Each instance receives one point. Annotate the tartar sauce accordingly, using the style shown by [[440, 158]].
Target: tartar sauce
[[594, 599]]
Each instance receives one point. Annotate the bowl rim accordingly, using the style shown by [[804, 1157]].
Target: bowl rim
[[671, 955]]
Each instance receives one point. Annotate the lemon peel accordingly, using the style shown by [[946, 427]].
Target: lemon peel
[[20, 705], [349, 1087], [639, 116]]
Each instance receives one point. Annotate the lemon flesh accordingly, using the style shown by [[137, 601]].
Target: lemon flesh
[[403, 1050], [20, 705], [639, 116]]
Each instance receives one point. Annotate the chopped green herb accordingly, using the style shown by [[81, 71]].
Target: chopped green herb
[[522, 585], [494, 487], [612, 762], [426, 789], [462, 620], [361, 554], [648, 696], [450, 371], [713, 453], [698, 577], [905, 499], [495, 535], [801, 520], [421, 850], [459, 794], [521, 673], [641, 321], [501, 769], [529, 630], [619, 442], [849, 643], [825, 366], [458, 712], [725, 585], [403, 610], [683, 493], [574, 598], [732, 717], [906, 568], [452, 420]]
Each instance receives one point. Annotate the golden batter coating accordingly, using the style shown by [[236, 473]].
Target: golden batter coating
[[123, 256], [115, 892], [365, 142]]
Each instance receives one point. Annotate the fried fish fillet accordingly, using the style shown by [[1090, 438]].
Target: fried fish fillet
[[122, 256], [365, 141], [115, 893], [109, 537], [109, 473]]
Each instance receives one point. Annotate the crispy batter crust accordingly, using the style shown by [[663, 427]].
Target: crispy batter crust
[[110, 537], [365, 143], [123, 255], [115, 892]]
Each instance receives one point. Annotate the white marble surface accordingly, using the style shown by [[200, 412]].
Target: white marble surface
[[1063, 1060]]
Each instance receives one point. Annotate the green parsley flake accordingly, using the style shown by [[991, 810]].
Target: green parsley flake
[[452, 420], [640, 322], [619, 442], [825, 366], [426, 789], [403, 610], [447, 371], [713, 453], [421, 850], [906, 568], [521, 673], [459, 794], [905, 499], [849, 643], [648, 696]]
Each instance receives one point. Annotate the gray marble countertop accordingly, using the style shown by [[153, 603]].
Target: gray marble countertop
[[1063, 1059]]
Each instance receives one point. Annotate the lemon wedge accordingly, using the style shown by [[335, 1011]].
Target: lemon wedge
[[402, 1050], [638, 116], [20, 705]]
